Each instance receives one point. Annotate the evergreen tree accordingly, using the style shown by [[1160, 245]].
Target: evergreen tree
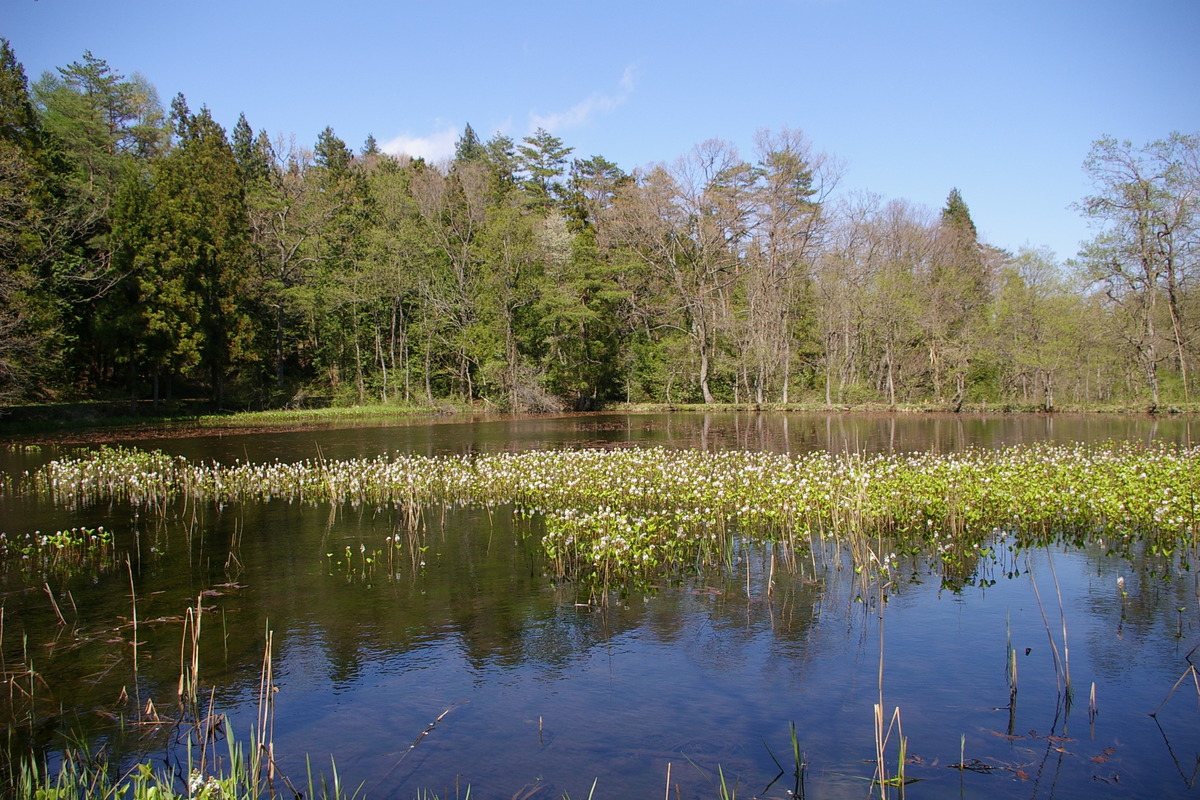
[[180, 117], [331, 153], [19, 123], [338, 291], [500, 160], [469, 148], [98, 121], [957, 216], [94, 124], [959, 287], [252, 152], [543, 159], [28, 315], [579, 318], [183, 237], [593, 185]]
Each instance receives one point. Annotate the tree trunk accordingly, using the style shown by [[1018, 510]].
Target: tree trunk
[[787, 368], [707, 393], [383, 366], [155, 390], [279, 345]]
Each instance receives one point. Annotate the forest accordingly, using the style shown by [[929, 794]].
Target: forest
[[147, 254]]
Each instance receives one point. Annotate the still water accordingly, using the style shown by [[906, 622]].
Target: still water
[[540, 694]]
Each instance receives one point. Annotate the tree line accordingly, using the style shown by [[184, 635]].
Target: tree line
[[147, 253]]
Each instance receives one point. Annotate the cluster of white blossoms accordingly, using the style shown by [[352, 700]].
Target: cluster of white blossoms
[[641, 508]]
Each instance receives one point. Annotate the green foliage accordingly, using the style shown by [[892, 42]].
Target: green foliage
[[19, 122], [237, 776], [183, 234], [469, 148], [153, 256], [957, 216], [617, 515], [542, 158], [253, 153], [331, 153], [30, 313], [578, 319], [60, 553], [592, 187], [1146, 208]]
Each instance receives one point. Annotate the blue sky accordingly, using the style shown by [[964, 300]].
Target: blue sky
[[999, 99]]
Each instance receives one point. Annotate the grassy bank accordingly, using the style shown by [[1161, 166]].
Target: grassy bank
[[119, 415], [73, 417]]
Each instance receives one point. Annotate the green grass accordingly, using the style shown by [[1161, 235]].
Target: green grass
[[75, 417], [302, 415], [238, 775]]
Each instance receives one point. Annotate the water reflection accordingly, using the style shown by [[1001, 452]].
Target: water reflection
[[776, 432], [374, 641]]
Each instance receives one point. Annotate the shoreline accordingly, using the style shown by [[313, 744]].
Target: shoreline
[[20, 421]]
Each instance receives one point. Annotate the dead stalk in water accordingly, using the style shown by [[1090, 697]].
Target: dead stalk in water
[[882, 735], [137, 692], [54, 604], [266, 709], [428, 729], [1059, 669], [1063, 616], [1194, 673], [189, 664], [1010, 669]]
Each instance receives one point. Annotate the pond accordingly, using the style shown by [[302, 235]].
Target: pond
[[541, 689]]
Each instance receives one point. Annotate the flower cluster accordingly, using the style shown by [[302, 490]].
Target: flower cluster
[[638, 511]]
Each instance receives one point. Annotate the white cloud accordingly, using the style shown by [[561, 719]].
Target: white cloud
[[433, 148], [582, 112], [438, 147]]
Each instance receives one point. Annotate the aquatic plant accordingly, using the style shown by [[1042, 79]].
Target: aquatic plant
[[61, 552], [83, 775], [240, 773], [616, 514]]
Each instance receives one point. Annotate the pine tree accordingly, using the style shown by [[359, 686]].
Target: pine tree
[[183, 236], [19, 123], [96, 125], [469, 148], [957, 216], [252, 152], [331, 153], [960, 291], [28, 317], [543, 159]]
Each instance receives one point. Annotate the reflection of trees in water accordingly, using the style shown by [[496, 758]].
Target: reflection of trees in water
[[483, 604], [1154, 612], [881, 432]]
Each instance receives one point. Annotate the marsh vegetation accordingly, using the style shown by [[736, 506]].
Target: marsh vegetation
[[626, 615]]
